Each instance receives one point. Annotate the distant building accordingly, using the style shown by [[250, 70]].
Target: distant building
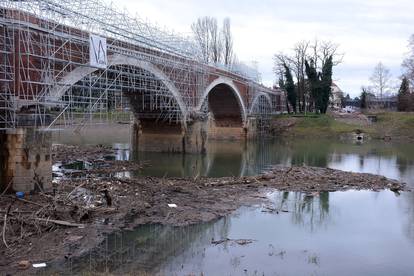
[[336, 96], [387, 102]]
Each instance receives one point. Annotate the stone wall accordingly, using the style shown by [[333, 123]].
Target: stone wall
[[225, 133], [26, 161], [158, 137]]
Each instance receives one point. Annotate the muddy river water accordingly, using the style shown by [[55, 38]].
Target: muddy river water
[[339, 233]]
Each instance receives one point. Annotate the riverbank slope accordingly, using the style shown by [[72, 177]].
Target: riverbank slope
[[398, 126]]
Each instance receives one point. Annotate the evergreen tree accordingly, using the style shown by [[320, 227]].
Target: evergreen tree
[[357, 102], [290, 87], [283, 87], [404, 96], [320, 83], [326, 84], [313, 80], [363, 98]]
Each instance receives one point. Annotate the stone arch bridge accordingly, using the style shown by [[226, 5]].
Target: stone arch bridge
[[62, 62]]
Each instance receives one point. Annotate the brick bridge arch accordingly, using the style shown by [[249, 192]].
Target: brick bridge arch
[[59, 90], [258, 102], [228, 86], [227, 109]]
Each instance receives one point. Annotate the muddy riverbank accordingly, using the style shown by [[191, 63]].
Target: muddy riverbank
[[72, 219]]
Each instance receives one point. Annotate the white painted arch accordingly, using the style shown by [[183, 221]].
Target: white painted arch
[[235, 90], [82, 71], [256, 99]]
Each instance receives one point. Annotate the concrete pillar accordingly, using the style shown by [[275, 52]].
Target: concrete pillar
[[164, 138], [25, 160]]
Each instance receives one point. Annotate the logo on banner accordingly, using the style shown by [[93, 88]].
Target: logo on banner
[[97, 51]]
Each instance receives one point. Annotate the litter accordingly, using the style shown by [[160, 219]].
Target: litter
[[172, 205], [23, 265], [39, 265]]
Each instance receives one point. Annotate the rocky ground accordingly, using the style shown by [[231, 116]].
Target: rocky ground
[[77, 214]]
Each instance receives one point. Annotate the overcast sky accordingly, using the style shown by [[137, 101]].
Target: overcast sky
[[368, 31]]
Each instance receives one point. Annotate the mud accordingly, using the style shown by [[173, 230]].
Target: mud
[[93, 206]]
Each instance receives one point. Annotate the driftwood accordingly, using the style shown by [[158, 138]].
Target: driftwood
[[286, 175], [4, 230], [30, 202], [238, 241], [61, 222], [5, 226], [268, 209], [16, 212], [7, 188]]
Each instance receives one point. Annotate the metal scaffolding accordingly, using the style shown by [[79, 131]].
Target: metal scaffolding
[[46, 77], [43, 42]]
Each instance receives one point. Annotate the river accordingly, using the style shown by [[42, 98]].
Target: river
[[339, 233]]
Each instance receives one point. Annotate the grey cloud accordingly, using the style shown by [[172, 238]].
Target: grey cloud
[[368, 30]]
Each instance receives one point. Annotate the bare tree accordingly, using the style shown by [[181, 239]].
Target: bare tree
[[408, 63], [300, 55], [216, 46], [322, 50], [227, 42], [281, 62], [201, 29], [316, 53], [380, 80]]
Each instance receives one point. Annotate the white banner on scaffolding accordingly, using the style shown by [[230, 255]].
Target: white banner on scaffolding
[[97, 51]]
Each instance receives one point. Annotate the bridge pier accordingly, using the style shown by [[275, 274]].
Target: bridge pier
[[251, 128], [159, 137], [25, 160], [230, 131]]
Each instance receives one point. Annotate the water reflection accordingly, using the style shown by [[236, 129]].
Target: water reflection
[[349, 233], [235, 159], [341, 233], [147, 249], [308, 210], [408, 207]]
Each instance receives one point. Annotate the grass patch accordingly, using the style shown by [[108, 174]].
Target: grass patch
[[396, 125], [321, 126]]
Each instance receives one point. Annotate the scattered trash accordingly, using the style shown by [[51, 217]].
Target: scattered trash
[[172, 205], [19, 194], [39, 265], [82, 196], [23, 265]]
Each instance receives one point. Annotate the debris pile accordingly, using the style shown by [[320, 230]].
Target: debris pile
[[72, 218]]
